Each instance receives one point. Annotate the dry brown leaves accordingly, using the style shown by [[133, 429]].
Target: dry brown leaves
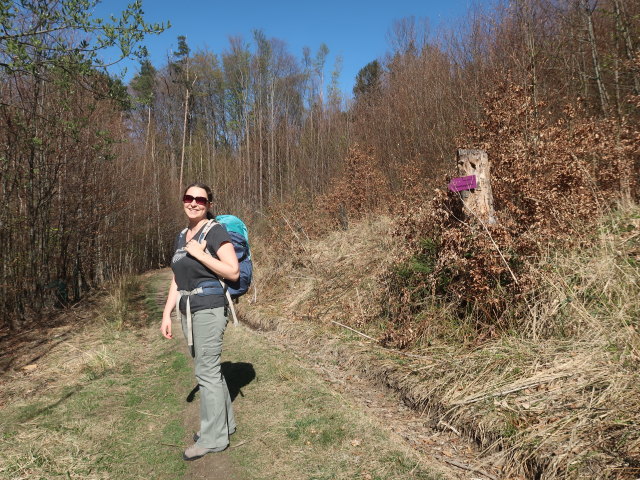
[[552, 179], [359, 190]]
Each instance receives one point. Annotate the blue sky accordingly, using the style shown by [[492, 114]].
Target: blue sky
[[355, 29]]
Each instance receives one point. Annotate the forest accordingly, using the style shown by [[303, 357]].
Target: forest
[[506, 348], [91, 168]]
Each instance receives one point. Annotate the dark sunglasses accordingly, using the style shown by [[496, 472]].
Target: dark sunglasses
[[191, 198]]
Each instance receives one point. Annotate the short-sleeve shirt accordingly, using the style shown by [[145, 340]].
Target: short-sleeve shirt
[[190, 273]]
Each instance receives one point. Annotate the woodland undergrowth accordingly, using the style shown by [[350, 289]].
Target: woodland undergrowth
[[530, 325], [552, 179]]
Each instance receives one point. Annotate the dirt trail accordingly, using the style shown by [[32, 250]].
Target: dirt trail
[[439, 446], [304, 407], [213, 466]]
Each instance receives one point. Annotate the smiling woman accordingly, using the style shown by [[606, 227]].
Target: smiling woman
[[203, 255]]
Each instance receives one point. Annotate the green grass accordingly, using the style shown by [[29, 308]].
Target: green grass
[[318, 429], [296, 427], [112, 416]]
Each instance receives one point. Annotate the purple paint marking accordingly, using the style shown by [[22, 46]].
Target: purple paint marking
[[463, 183]]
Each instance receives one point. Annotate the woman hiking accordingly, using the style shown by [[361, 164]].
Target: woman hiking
[[202, 257]]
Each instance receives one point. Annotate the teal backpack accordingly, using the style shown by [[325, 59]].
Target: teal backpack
[[237, 230], [239, 235]]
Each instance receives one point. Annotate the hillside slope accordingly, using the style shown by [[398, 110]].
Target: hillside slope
[[561, 406]]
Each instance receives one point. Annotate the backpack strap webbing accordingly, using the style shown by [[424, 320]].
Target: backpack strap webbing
[[230, 302]]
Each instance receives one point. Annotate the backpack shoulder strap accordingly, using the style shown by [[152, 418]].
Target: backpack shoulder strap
[[210, 224], [206, 229], [182, 235], [227, 294]]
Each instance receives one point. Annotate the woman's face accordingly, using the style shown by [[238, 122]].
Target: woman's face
[[193, 203]]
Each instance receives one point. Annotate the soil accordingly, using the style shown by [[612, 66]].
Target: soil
[[214, 465]]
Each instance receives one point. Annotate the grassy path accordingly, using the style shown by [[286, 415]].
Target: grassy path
[[103, 404], [296, 427], [109, 402], [293, 425]]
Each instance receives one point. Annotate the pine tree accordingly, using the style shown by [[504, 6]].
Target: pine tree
[[368, 79]]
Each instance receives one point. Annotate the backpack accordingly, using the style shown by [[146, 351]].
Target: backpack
[[239, 235], [237, 230]]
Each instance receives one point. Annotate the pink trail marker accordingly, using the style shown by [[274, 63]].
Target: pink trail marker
[[463, 183]]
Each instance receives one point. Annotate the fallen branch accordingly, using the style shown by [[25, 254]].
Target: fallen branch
[[295, 233], [445, 424], [399, 352], [147, 413], [355, 331]]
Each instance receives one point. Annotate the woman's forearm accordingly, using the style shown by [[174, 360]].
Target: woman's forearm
[[220, 268], [225, 266], [172, 297]]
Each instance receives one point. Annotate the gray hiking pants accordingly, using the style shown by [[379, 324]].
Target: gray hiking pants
[[217, 421]]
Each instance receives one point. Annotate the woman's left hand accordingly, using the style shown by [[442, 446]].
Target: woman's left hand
[[195, 248]]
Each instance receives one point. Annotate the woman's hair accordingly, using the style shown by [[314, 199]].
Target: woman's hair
[[207, 189]]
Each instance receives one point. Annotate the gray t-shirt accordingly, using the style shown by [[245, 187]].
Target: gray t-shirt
[[190, 273]]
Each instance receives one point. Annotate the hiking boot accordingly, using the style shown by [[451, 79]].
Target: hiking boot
[[195, 451], [196, 436]]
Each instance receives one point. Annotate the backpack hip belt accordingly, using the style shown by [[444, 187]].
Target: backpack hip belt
[[205, 291]]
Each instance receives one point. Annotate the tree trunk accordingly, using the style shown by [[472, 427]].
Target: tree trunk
[[623, 31], [184, 137], [602, 92], [479, 202]]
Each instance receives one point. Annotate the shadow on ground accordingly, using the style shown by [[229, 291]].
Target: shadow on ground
[[236, 374]]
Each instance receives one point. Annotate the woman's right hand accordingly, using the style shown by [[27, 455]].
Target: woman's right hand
[[165, 328], [172, 298]]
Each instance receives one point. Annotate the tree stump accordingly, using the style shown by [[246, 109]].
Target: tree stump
[[479, 201]]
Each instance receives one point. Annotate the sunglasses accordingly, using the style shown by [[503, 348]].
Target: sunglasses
[[199, 200]]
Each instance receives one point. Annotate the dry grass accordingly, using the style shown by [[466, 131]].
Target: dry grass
[[98, 391], [292, 425], [558, 396], [105, 404], [331, 278]]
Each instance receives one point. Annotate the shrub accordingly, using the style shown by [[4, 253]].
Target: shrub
[[552, 180]]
